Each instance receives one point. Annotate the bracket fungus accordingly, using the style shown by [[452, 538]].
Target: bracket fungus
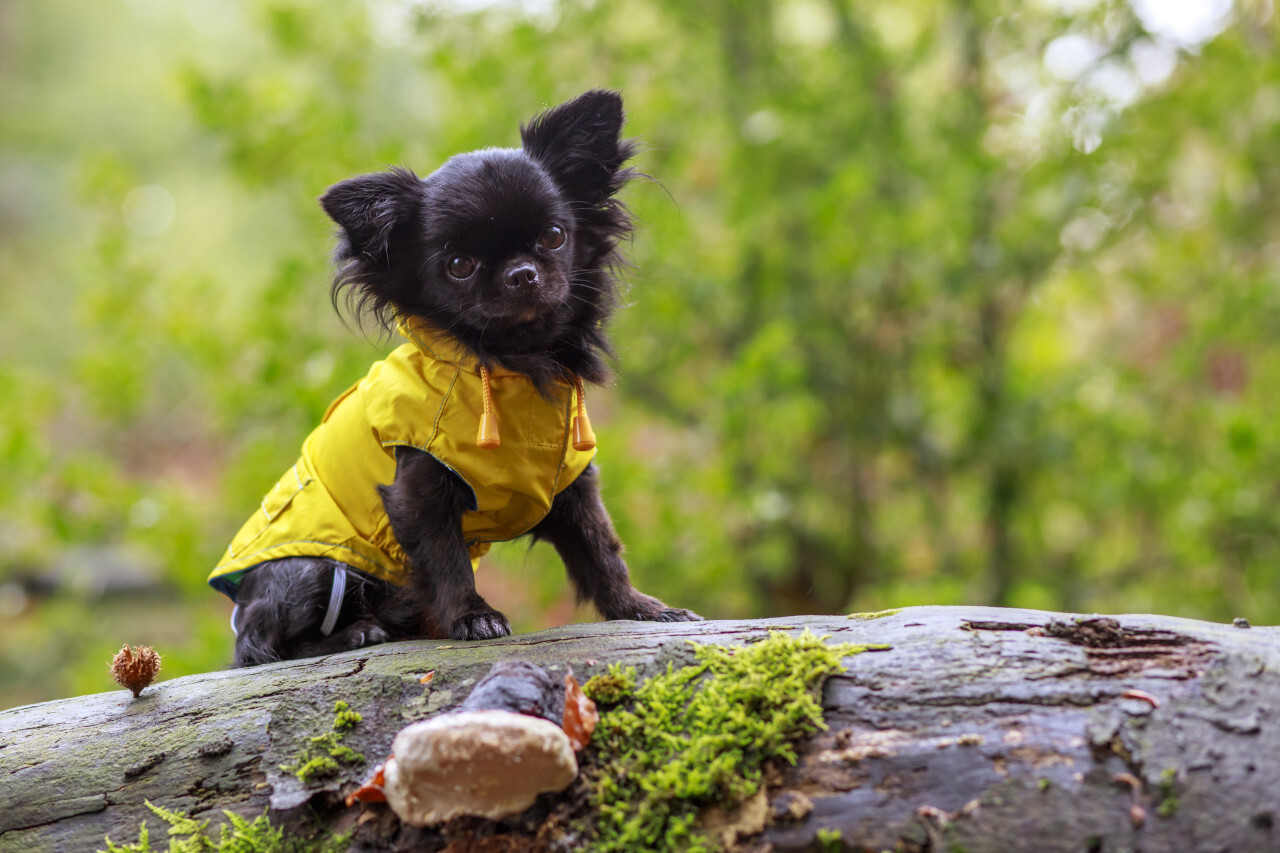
[[493, 756], [483, 763]]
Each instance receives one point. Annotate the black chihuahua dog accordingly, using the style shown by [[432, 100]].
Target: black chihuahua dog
[[498, 269]]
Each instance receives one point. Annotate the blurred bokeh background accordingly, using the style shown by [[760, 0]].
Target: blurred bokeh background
[[950, 302]]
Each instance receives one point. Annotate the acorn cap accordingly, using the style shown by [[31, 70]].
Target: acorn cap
[[484, 763]]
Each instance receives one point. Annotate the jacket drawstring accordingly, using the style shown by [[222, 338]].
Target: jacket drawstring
[[584, 438], [487, 436]]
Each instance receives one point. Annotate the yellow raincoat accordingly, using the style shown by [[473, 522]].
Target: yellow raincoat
[[427, 394]]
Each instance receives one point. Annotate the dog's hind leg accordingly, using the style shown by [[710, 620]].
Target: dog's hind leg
[[283, 605]]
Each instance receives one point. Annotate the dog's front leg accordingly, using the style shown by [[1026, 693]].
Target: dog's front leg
[[425, 506], [580, 529]]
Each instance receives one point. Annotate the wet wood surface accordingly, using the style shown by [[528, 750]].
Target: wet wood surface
[[978, 729]]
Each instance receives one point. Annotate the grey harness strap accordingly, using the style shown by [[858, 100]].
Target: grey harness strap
[[336, 592], [335, 600]]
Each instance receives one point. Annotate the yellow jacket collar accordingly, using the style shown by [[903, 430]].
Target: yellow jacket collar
[[443, 347]]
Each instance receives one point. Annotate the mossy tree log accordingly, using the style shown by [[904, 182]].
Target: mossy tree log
[[978, 729]]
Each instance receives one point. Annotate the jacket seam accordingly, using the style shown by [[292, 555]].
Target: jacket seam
[[444, 401], [229, 568]]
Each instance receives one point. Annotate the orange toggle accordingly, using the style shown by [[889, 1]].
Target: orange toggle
[[584, 437], [487, 436]]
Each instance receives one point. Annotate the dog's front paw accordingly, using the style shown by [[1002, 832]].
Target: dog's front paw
[[677, 614], [646, 608], [480, 624]]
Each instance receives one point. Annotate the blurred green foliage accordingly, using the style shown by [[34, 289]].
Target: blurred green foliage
[[966, 301]]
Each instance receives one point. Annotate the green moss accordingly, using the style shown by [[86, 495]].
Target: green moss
[[315, 768], [346, 755], [875, 614], [1168, 802], [830, 840], [610, 688], [188, 835], [325, 753], [700, 736], [1043, 784], [344, 718]]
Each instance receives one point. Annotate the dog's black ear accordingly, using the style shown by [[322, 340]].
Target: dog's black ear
[[369, 209], [579, 143]]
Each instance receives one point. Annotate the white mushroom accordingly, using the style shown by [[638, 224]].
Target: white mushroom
[[483, 763]]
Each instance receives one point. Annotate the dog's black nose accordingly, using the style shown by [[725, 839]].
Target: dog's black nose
[[523, 275]]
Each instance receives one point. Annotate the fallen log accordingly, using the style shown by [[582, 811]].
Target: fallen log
[[980, 729]]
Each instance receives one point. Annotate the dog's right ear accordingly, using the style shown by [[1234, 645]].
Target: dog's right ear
[[369, 209]]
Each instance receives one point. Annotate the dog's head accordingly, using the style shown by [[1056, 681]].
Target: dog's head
[[509, 250]]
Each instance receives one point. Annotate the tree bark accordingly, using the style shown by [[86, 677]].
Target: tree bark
[[978, 729]]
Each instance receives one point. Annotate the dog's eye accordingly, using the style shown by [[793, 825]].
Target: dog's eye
[[461, 266], [552, 238]]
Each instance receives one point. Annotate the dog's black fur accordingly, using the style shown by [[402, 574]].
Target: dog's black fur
[[474, 250]]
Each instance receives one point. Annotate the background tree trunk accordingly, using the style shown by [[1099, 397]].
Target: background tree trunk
[[981, 728]]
